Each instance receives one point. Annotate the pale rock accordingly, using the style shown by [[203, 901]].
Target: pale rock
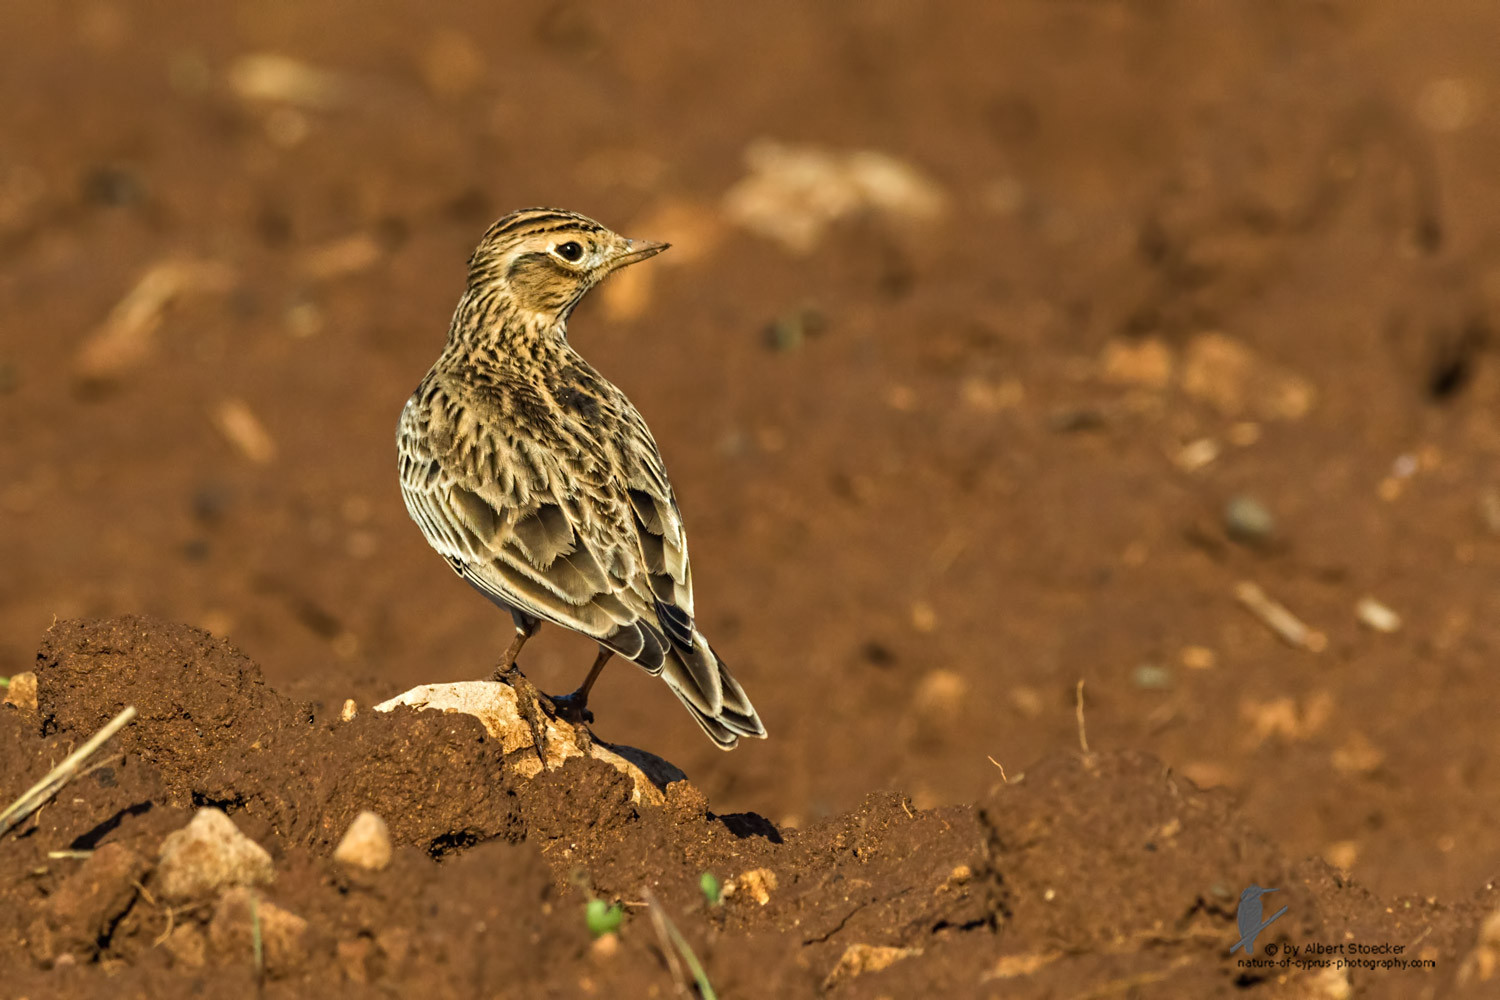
[[273, 77], [494, 704], [793, 193], [366, 844], [758, 882], [208, 854], [21, 693], [1147, 363], [861, 958], [1225, 373]]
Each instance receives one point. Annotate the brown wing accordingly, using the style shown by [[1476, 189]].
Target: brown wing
[[591, 542]]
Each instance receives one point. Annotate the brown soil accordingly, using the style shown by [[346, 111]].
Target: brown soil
[[1100, 869], [998, 464]]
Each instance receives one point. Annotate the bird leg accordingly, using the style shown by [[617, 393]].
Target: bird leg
[[574, 707], [529, 700], [507, 664]]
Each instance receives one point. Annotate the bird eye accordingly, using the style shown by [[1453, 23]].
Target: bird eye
[[570, 251]]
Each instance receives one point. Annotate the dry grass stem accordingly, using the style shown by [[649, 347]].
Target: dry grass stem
[[43, 791], [1083, 733], [1286, 626], [125, 339], [673, 944]]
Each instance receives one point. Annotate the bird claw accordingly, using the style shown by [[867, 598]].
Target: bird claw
[[572, 708], [532, 705], [537, 708]]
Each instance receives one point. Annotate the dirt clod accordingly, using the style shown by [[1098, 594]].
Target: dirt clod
[[242, 916], [80, 916], [188, 945], [757, 883], [861, 958]]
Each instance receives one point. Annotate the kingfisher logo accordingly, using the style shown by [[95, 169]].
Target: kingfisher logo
[[1249, 918]]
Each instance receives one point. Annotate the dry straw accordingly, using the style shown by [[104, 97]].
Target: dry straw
[[43, 791]]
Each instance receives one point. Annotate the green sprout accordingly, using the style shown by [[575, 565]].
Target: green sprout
[[257, 945], [675, 945], [712, 891], [602, 918]]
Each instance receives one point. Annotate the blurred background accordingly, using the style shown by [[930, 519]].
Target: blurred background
[[1001, 345]]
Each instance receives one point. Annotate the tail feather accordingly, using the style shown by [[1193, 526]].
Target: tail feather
[[734, 717], [694, 673]]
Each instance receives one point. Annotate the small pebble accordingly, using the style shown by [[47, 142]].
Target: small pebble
[[1199, 658], [1197, 454], [1151, 677], [759, 883], [366, 844], [21, 692], [940, 693], [1247, 520], [1146, 362], [1372, 614], [207, 854], [1489, 509], [304, 319], [604, 947]]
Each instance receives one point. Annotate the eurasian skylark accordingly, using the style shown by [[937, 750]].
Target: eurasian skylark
[[540, 483]]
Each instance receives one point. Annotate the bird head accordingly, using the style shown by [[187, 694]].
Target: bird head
[[544, 260]]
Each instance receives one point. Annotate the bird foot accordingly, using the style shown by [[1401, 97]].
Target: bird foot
[[573, 708], [533, 706]]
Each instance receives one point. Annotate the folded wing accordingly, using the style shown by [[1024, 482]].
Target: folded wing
[[592, 545]]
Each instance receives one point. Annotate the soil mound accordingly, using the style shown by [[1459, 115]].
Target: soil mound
[[1087, 869]]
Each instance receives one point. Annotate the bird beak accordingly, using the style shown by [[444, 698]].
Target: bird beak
[[1263, 891], [638, 250]]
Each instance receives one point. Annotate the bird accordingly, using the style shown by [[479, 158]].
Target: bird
[[1248, 918], [540, 483]]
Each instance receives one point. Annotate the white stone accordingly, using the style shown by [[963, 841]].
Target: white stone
[[208, 854], [366, 844], [494, 704]]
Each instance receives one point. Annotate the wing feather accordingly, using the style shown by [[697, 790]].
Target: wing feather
[[591, 542]]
